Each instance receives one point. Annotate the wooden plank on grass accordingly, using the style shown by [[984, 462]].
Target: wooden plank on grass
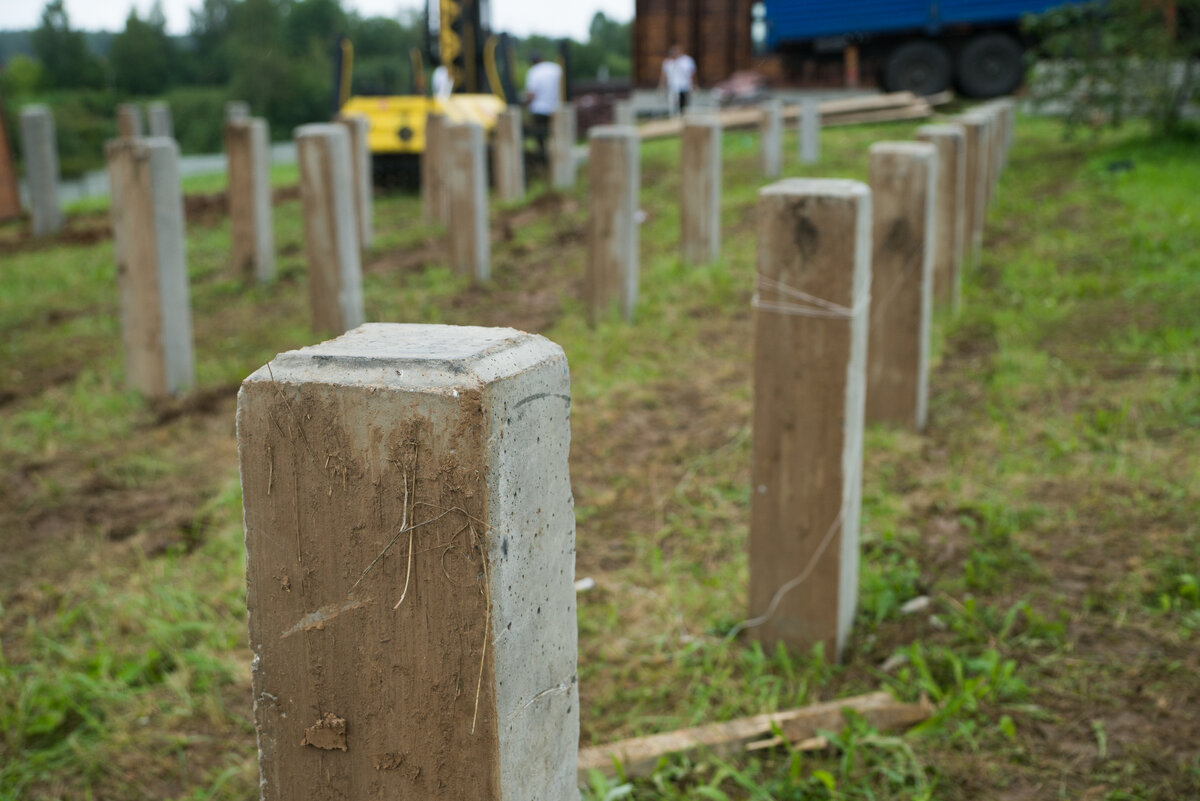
[[918, 111], [639, 756], [851, 105], [874, 108]]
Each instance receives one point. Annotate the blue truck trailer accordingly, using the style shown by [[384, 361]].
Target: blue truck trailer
[[925, 47]]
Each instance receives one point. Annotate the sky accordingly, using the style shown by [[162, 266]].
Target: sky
[[520, 17]]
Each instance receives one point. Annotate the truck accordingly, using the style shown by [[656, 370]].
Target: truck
[[923, 46]]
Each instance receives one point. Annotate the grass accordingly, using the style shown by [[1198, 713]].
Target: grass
[[1049, 513], [202, 184]]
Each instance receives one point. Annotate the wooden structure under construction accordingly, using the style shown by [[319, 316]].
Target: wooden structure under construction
[[716, 33], [10, 204]]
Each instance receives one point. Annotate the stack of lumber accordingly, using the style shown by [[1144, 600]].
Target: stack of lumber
[[844, 111], [873, 108]]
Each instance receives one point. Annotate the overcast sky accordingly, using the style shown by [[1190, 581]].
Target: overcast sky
[[521, 17]]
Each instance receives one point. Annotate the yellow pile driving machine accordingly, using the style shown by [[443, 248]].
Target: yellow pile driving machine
[[477, 61]]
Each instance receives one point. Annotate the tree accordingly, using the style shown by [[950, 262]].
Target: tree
[[313, 23], [143, 57], [1118, 58], [21, 77], [260, 67], [287, 88], [210, 32], [382, 47], [607, 52], [613, 36], [66, 62]]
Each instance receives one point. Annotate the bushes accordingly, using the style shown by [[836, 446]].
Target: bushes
[[85, 119], [198, 113], [1116, 59]]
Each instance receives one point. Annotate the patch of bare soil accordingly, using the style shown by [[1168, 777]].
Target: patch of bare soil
[[16, 390], [78, 229], [206, 209], [630, 463], [210, 209], [80, 501], [550, 204], [412, 260], [30, 377]]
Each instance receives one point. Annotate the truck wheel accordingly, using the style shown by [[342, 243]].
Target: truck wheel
[[990, 65], [918, 66]]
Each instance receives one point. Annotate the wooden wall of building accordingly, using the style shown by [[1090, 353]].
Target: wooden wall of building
[[716, 33]]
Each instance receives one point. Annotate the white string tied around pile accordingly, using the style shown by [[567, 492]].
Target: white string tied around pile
[[852, 501], [801, 304]]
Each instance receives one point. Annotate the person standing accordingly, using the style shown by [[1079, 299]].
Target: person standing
[[678, 78], [543, 94], [443, 83]]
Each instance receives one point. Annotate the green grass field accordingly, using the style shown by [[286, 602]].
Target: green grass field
[[281, 175], [1050, 512]]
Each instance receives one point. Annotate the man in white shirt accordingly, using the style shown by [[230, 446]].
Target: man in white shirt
[[443, 83], [543, 93], [678, 77]]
